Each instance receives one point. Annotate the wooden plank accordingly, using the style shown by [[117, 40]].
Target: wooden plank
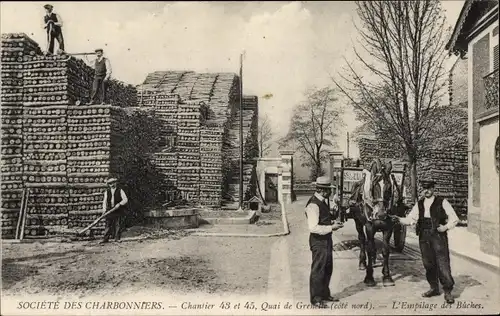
[[19, 218], [21, 236]]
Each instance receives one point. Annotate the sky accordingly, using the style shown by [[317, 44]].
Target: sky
[[289, 46]]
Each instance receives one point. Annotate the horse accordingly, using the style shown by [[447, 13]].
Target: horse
[[372, 212]]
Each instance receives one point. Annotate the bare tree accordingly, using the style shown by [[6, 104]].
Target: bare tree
[[405, 46], [265, 135], [313, 128]]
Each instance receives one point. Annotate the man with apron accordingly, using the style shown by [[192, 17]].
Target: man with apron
[[433, 216], [114, 198]]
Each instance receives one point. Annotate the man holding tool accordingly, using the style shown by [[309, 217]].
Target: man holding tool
[[114, 200], [321, 224], [53, 25]]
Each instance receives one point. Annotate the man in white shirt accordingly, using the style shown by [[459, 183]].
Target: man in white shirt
[[102, 68], [320, 224], [53, 24], [433, 216], [114, 199]]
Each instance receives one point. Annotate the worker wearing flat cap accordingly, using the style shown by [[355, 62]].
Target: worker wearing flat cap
[[53, 24], [114, 199], [321, 224], [433, 216], [102, 68]]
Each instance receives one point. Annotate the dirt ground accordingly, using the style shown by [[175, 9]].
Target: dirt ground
[[171, 260]]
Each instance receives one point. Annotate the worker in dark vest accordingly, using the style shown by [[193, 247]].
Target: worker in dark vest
[[53, 24], [321, 224], [434, 216], [114, 199], [102, 68]]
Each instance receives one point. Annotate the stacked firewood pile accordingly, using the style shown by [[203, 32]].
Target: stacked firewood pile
[[56, 80], [188, 147], [16, 49], [445, 165], [165, 160], [233, 143], [11, 164], [94, 145], [201, 147], [225, 96], [203, 87], [211, 136], [120, 94], [373, 148], [146, 95], [185, 86], [44, 167], [449, 170]]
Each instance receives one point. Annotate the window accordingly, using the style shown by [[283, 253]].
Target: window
[[494, 49]]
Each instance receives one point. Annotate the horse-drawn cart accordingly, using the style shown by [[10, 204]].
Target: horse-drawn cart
[[346, 179]]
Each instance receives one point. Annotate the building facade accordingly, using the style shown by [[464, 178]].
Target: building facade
[[475, 38]]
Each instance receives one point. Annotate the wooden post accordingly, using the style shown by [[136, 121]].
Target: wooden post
[[241, 132], [341, 185], [20, 217]]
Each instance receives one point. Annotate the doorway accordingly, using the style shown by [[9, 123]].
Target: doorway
[[271, 183]]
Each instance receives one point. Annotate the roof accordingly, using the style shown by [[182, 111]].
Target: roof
[[472, 11], [255, 199]]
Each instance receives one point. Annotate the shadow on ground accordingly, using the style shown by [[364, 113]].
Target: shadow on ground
[[404, 267]]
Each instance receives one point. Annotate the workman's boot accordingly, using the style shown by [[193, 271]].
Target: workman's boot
[[449, 298], [430, 293]]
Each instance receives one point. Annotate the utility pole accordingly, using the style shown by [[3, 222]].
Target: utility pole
[[241, 133], [347, 145]]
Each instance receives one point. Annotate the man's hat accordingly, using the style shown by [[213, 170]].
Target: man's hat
[[111, 180], [48, 6], [427, 184], [98, 50], [324, 182]]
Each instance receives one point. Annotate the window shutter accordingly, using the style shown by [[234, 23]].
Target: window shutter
[[495, 57]]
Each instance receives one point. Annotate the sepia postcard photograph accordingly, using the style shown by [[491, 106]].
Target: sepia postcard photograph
[[250, 158]]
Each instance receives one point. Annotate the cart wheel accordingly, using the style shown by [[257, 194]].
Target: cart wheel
[[399, 237]]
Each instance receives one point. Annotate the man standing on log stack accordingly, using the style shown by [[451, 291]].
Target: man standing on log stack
[[53, 25], [114, 198], [434, 216], [321, 224], [102, 68]]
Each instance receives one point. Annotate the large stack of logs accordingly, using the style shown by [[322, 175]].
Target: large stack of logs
[[211, 136], [188, 147], [120, 94], [447, 165], [94, 143], [449, 170], [16, 50], [56, 80], [165, 160], [193, 143], [50, 147], [45, 164]]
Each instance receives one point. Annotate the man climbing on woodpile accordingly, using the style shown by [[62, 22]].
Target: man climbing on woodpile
[[114, 198], [53, 24], [102, 68]]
